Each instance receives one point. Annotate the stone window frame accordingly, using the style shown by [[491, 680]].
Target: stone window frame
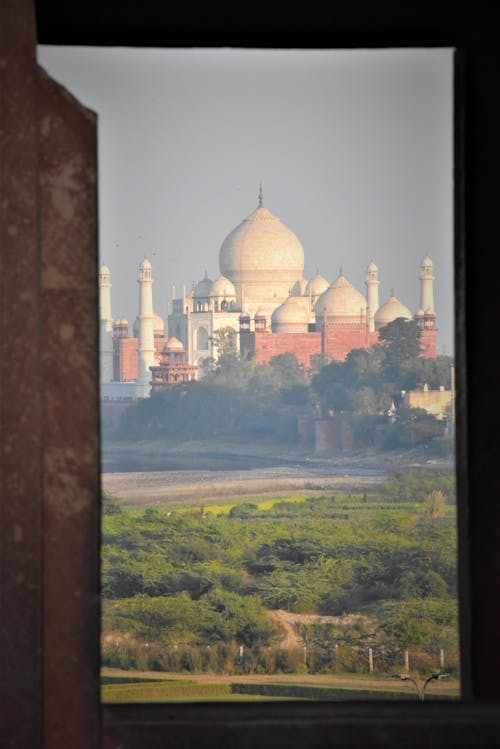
[[51, 582]]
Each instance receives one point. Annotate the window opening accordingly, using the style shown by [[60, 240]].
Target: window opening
[[312, 560]]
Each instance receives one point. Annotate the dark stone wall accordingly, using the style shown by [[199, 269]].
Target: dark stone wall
[[49, 509]]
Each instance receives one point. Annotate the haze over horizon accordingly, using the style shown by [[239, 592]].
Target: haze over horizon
[[354, 149]]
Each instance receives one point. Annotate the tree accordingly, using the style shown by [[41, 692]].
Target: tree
[[401, 341], [228, 369]]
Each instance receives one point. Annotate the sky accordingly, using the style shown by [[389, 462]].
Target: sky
[[354, 150]]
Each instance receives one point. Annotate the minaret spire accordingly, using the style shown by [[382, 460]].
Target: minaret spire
[[261, 196], [146, 347], [426, 279], [372, 284], [106, 325]]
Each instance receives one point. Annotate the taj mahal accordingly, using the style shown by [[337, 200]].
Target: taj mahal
[[261, 294]]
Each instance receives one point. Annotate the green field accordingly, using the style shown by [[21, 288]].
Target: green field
[[116, 689], [241, 587]]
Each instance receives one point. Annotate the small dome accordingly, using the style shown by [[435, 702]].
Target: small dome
[[104, 270], [372, 268], [121, 321], [390, 311], [145, 265], [158, 324], [203, 287], [342, 302], [291, 312], [426, 261], [317, 285], [223, 287], [173, 344]]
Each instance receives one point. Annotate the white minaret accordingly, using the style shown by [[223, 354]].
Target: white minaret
[[105, 296], [105, 326], [146, 347], [372, 284], [427, 290]]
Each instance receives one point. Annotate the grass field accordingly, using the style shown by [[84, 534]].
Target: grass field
[[125, 686]]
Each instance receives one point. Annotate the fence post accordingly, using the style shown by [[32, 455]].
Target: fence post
[[407, 661], [370, 659], [441, 659]]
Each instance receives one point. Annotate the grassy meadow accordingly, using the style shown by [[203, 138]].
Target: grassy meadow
[[312, 583]]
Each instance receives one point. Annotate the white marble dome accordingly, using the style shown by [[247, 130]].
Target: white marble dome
[[263, 258], [290, 317], [203, 288], [158, 325], [342, 302], [317, 286], [391, 310], [223, 287], [173, 344]]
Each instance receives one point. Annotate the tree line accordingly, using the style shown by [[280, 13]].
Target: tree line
[[240, 400]]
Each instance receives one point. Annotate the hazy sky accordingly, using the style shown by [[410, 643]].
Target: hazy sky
[[353, 147]]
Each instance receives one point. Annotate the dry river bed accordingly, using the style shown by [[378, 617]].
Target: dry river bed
[[181, 487]]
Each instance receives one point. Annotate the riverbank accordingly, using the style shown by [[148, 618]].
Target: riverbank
[[149, 473]]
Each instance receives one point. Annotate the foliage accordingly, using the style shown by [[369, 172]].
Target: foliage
[[186, 581]]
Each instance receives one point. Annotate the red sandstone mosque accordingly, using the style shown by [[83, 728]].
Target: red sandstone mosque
[[264, 298]]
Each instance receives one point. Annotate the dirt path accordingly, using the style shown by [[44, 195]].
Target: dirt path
[[288, 621]]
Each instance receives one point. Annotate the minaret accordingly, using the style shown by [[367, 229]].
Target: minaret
[[105, 297], [427, 279], [146, 347], [426, 317], [105, 326], [372, 284]]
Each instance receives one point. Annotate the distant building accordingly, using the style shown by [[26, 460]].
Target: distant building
[[439, 402], [173, 367], [263, 297]]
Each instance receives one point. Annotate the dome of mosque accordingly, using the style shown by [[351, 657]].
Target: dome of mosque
[[145, 265], [290, 317], [261, 248], [173, 344], [342, 302], [203, 287], [223, 287], [158, 324], [426, 261], [104, 270], [317, 285], [391, 310], [372, 267]]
